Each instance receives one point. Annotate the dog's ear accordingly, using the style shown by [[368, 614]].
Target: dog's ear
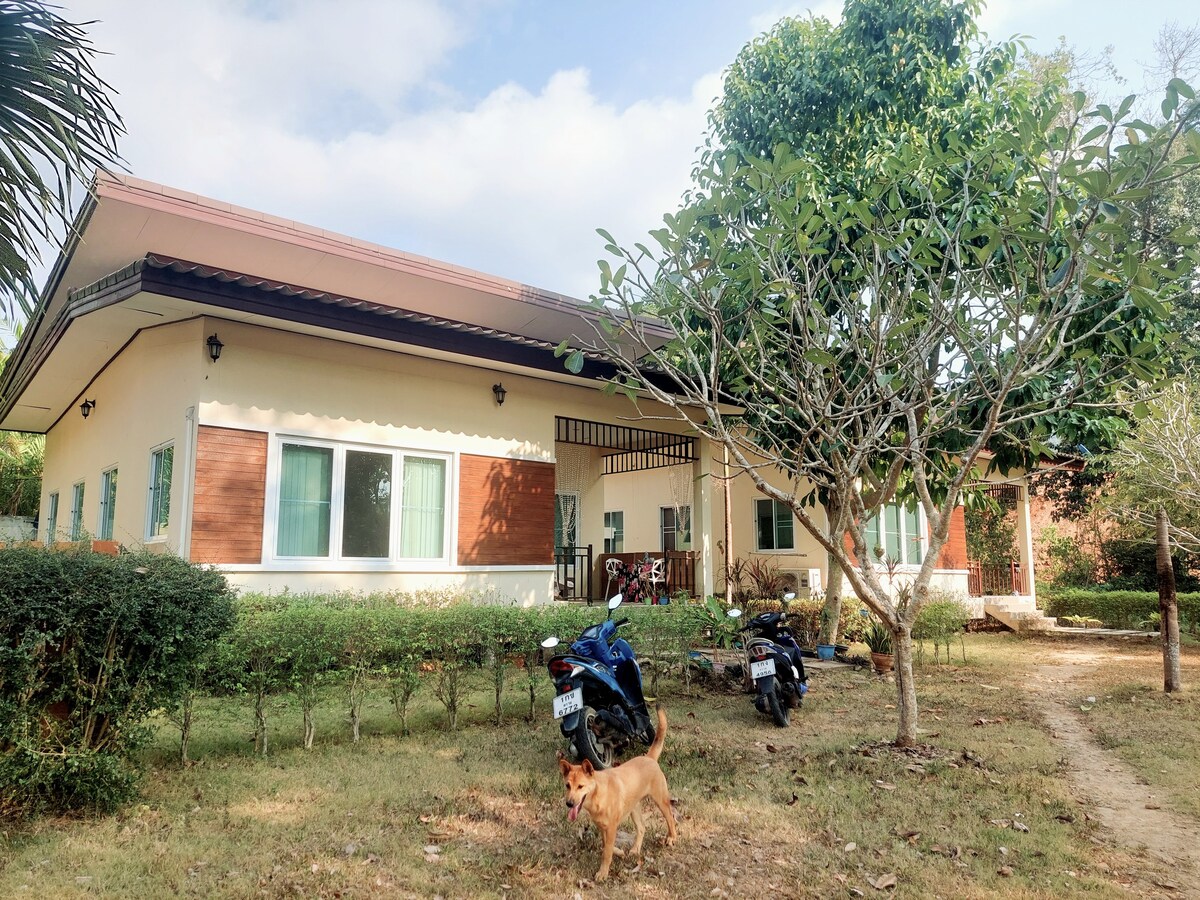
[[587, 767], [564, 764]]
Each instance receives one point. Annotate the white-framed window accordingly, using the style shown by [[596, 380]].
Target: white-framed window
[[897, 533], [567, 506], [676, 530], [77, 512], [158, 509], [355, 503], [773, 525], [614, 531], [52, 518], [108, 504]]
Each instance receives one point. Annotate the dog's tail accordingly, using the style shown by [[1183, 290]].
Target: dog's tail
[[660, 736]]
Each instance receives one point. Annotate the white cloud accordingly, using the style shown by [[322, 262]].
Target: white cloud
[[309, 116]]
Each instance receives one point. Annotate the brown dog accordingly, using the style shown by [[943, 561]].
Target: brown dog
[[609, 795]]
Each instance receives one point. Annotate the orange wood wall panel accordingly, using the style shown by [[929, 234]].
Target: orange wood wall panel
[[954, 553], [231, 483], [505, 512]]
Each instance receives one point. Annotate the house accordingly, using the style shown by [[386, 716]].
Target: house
[[313, 412]]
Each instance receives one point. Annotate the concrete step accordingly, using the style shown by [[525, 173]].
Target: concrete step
[[1018, 613]]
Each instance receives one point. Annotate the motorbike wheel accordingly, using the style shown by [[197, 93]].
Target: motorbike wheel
[[779, 711], [587, 745]]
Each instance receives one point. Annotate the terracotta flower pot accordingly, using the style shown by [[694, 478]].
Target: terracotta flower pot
[[882, 662]]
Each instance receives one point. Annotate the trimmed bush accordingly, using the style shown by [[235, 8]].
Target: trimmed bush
[[1116, 609], [940, 621], [91, 645]]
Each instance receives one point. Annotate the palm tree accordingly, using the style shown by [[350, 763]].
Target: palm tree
[[57, 125]]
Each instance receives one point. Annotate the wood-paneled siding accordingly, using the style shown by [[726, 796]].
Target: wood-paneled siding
[[954, 553], [231, 481], [505, 512]]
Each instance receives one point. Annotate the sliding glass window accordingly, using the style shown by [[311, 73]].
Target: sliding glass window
[[341, 502]]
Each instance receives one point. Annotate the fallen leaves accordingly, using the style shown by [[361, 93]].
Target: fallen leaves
[[883, 882]]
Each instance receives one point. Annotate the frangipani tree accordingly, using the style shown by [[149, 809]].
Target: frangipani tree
[[961, 295]]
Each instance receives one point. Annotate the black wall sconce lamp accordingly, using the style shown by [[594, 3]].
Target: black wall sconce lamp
[[500, 392], [86, 407], [214, 347]]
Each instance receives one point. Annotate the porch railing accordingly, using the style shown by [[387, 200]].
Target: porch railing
[[573, 573], [995, 580]]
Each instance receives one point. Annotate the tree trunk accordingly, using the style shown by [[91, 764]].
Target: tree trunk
[[1168, 605], [260, 723], [725, 488], [831, 615], [310, 729], [906, 686], [185, 727]]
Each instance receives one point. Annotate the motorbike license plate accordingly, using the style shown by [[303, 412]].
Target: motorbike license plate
[[565, 704], [762, 668]]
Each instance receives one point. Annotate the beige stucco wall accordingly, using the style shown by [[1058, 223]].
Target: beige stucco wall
[[142, 400], [304, 386]]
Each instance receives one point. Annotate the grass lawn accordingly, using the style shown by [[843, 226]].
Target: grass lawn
[[818, 809], [1157, 735]]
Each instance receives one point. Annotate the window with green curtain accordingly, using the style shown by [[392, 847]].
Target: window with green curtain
[[52, 518], [305, 498], [77, 512], [423, 508], [161, 463], [913, 544], [367, 505], [108, 503], [896, 530]]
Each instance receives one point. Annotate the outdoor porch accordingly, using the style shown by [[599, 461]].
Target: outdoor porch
[[615, 532]]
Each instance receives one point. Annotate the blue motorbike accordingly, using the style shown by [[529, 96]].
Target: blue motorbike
[[774, 665], [598, 693]]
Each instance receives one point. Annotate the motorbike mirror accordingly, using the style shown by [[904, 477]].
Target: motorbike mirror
[[790, 595], [734, 613], [550, 643], [614, 601]]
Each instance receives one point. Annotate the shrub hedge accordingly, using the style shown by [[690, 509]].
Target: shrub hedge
[[90, 645], [1116, 609]]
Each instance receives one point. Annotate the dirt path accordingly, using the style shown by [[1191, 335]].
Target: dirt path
[[1124, 805]]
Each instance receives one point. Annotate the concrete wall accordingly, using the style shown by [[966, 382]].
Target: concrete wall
[[300, 386], [143, 399]]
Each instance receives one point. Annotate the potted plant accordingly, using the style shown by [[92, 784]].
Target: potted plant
[[879, 641]]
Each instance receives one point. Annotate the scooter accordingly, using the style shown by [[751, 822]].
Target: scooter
[[774, 664], [598, 693]]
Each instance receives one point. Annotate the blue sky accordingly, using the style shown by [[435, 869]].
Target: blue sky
[[494, 134]]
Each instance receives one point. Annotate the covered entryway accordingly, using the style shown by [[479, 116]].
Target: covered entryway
[[592, 556]]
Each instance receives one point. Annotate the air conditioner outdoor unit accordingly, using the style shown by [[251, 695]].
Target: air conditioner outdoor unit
[[805, 582]]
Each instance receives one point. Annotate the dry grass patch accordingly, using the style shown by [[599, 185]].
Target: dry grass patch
[[1156, 734], [814, 810]]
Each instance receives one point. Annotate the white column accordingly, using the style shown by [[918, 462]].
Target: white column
[[703, 540], [1025, 541]]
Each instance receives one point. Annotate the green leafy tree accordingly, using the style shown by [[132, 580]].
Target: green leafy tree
[[57, 125], [1156, 489], [21, 458], [839, 95], [877, 337]]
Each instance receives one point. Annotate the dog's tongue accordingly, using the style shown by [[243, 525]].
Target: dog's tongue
[[572, 813]]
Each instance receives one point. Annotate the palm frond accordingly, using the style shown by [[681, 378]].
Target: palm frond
[[58, 125]]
